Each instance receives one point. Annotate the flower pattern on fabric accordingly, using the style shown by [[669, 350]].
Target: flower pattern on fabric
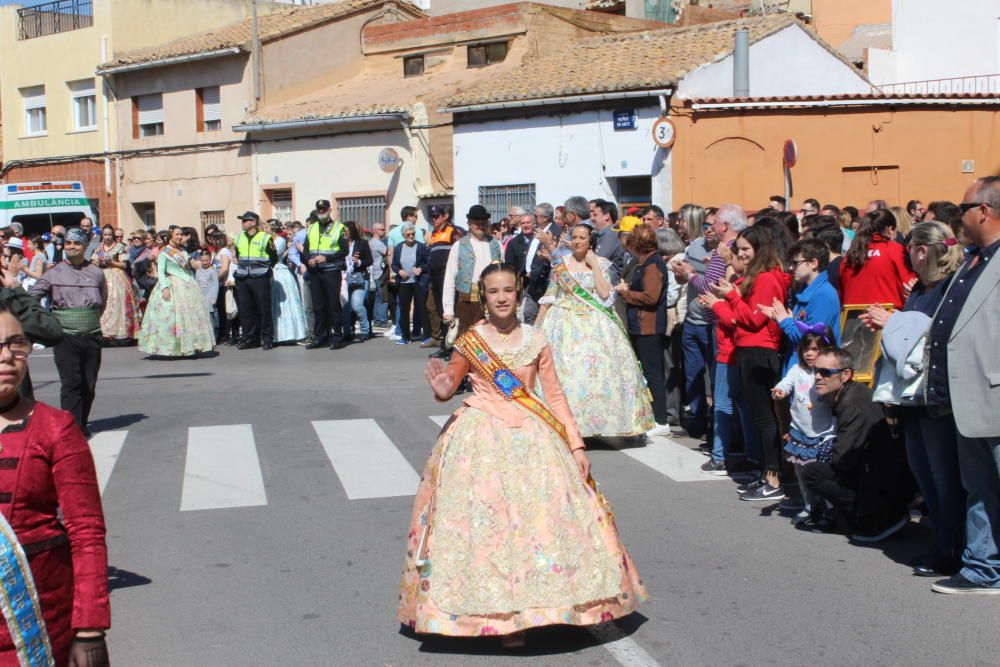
[[178, 327], [510, 535], [120, 319], [596, 364]]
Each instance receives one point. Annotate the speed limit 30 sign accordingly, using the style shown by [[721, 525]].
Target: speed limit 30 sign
[[664, 132]]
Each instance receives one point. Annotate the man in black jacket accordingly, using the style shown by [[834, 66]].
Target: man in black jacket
[[866, 477], [522, 252]]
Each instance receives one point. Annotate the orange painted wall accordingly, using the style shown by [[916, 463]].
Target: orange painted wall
[[835, 20], [846, 155]]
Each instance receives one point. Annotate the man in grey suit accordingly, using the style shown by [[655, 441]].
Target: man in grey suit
[[964, 374]]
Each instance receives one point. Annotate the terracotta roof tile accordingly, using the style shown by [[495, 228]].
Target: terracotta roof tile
[[239, 35], [643, 60]]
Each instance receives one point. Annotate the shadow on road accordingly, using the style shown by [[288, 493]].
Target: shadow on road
[[124, 579], [112, 423], [613, 443], [549, 640]]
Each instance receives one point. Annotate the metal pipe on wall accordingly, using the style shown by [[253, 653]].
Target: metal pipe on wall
[[741, 64]]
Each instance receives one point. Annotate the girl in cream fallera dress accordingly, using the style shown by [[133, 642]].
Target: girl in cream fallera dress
[[506, 533]]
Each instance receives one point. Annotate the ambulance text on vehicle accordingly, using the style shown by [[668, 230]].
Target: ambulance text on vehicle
[[39, 206]]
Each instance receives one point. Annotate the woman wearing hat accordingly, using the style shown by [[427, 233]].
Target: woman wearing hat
[[13, 257], [120, 320]]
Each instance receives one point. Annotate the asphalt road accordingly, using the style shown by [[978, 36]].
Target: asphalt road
[[276, 560]]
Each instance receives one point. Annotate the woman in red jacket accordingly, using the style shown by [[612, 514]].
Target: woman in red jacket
[[57, 567], [757, 339], [874, 270]]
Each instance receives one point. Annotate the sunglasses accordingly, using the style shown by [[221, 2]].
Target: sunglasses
[[970, 205], [827, 372]]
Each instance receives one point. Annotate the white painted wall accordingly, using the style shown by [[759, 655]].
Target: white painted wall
[[937, 40], [561, 155], [323, 167], [789, 62]]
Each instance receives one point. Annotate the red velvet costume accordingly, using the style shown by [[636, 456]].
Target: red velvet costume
[[46, 466]]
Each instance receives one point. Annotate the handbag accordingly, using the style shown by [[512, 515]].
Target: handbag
[[231, 309], [451, 334]]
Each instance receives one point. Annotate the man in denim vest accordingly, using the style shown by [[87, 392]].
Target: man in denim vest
[[466, 261]]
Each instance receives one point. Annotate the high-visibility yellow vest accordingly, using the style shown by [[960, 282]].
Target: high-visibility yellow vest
[[251, 255], [325, 243]]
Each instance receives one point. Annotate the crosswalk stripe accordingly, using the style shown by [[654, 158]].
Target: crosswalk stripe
[[222, 469], [671, 458], [105, 448], [622, 648], [440, 420], [366, 461]]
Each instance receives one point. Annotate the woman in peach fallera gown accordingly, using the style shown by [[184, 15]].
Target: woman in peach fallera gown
[[506, 534]]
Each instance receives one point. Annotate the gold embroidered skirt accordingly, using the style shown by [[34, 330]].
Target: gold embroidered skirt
[[512, 537]]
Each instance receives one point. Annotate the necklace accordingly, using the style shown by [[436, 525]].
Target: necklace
[[505, 335]]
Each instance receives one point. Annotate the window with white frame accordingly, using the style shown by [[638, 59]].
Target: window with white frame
[[34, 110], [149, 115], [83, 97], [211, 109]]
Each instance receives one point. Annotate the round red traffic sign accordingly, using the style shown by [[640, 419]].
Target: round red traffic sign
[[664, 132], [790, 153]]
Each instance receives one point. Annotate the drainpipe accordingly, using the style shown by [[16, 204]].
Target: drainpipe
[[741, 64], [107, 119], [255, 48]]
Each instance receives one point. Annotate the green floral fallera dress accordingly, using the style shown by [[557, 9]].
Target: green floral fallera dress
[[181, 326]]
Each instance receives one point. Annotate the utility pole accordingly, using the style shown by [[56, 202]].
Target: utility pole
[[255, 58]]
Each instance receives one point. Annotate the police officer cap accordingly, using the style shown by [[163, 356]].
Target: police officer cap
[[436, 210], [249, 215], [322, 204]]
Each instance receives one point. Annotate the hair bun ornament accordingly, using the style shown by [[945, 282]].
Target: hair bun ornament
[[950, 241]]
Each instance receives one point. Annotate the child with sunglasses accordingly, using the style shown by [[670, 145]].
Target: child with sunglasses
[[813, 428]]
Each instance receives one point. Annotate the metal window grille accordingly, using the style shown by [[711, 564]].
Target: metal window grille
[[51, 18], [281, 205], [499, 198], [365, 211], [217, 218]]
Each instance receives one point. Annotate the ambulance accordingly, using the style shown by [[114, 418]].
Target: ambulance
[[39, 206]]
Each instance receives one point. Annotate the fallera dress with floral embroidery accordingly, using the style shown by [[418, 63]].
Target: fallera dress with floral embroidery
[[595, 362], [513, 537], [181, 326]]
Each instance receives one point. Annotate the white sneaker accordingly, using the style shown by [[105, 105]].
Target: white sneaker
[[37, 346], [394, 336], [659, 429]]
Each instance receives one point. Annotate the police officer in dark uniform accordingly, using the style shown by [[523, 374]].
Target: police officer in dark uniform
[[255, 258], [324, 253]]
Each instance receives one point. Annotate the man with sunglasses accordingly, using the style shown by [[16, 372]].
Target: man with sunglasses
[[964, 379], [864, 476], [77, 294]]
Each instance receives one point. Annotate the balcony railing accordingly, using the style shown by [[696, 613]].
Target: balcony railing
[[51, 18], [985, 83]]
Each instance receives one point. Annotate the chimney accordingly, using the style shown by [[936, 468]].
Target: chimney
[[741, 64]]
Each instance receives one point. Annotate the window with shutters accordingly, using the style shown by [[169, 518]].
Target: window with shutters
[[365, 211], [83, 96], [34, 111], [498, 199], [147, 115], [209, 111]]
